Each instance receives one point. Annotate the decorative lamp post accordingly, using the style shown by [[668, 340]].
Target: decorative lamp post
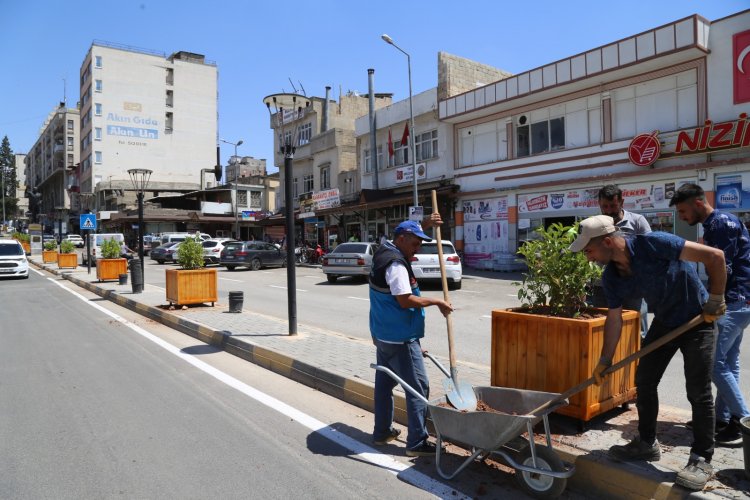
[[235, 161], [140, 178], [288, 108], [85, 199], [60, 214], [413, 141]]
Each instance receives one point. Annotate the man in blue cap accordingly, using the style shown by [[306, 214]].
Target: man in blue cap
[[396, 325]]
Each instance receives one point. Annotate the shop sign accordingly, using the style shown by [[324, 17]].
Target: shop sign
[[733, 192], [326, 199], [485, 231], [488, 209], [404, 174], [741, 66], [253, 215], [644, 149]]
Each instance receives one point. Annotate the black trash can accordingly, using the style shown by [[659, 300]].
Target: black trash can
[[745, 427], [136, 276], [124, 279], [235, 301]]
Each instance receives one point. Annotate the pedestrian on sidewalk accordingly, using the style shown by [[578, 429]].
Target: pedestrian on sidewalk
[[724, 231], [655, 266], [396, 325]]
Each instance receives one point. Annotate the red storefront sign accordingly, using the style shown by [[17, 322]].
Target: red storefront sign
[[644, 149], [741, 66]]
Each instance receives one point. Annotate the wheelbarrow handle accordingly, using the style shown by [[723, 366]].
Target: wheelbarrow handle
[[437, 363], [400, 381], [625, 361]]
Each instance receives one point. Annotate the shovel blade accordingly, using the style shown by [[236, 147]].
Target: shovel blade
[[461, 396]]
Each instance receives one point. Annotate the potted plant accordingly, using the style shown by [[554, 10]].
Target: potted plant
[[192, 283], [111, 265], [554, 340], [68, 258], [49, 254], [25, 241]]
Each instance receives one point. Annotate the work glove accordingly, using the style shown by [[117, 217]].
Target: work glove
[[714, 307], [603, 364]]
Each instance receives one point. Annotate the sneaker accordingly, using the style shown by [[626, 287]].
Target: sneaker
[[390, 437], [426, 449], [730, 434], [696, 474], [637, 450]]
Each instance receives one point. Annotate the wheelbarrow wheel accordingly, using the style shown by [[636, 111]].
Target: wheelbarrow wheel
[[536, 484]]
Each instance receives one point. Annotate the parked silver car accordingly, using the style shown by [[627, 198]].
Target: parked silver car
[[349, 259]]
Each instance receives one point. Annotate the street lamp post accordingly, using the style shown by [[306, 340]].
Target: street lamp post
[[236, 163], [390, 41], [286, 108], [87, 197], [60, 214], [140, 178]]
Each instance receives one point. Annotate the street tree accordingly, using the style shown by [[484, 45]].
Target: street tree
[[8, 180]]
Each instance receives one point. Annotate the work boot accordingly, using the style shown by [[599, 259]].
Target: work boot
[[731, 434], [393, 434], [426, 449], [696, 473], [637, 450]]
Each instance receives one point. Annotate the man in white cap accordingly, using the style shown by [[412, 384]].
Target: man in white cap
[[655, 266]]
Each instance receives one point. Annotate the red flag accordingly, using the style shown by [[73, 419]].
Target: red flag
[[405, 137], [390, 144]]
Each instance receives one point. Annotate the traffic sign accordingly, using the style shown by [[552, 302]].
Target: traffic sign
[[88, 221], [416, 213]]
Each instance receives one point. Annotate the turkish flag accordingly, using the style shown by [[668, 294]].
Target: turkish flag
[[741, 66], [405, 137], [390, 143]]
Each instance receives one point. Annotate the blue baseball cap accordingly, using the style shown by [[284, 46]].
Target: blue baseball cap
[[412, 227]]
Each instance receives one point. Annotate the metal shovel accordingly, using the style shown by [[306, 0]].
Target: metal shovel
[[460, 394]]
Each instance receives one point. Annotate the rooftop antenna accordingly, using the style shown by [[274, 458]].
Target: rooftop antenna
[[292, 84], [303, 88], [65, 100]]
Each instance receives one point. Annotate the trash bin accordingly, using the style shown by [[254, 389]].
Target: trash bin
[[235, 301], [124, 279], [136, 276], [745, 427]]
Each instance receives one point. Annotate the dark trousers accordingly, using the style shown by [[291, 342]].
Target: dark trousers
[[697, 348]]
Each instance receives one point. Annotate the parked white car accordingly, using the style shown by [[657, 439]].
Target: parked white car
[[212, 249], [426, 265], [13, 261], [76, 240]]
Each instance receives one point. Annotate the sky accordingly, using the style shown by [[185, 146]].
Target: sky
[[259, 46]]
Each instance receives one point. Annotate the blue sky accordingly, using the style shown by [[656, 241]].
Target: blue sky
[[259, 45]]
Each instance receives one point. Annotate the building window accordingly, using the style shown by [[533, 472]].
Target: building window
[[325, 178], [287, 137], [70, 125], [539, 137], [168, 122], [97, 85], [242, 198], [70, 160], [400, 154], [97, 133], [170, 98], [369, 167], [308, 183], [426, 145], [86, 164], [295, 188], [97, 157], [304, 134], [170, 76], [70, 143], [255, 200], [97, 61], [98, 109]]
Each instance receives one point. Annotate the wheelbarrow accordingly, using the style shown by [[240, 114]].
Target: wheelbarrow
[[539, 471]]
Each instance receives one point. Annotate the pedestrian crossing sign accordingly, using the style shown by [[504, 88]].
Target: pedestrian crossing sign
[[88, 221]]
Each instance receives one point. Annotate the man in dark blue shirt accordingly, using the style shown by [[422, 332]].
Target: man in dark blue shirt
[[655, 266], [724, 231]]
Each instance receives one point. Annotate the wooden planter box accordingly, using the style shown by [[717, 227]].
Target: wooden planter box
[[49, 256], [67, 260], [544, 353], [26, 246], [193, 286], [110, 269]]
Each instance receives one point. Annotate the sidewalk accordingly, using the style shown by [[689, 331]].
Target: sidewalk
[[334, 363]]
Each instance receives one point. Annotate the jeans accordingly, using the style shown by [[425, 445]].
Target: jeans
[[697, 347], [406, 361], [726, 373]]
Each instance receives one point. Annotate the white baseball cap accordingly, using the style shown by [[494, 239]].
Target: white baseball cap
[[598, 225]]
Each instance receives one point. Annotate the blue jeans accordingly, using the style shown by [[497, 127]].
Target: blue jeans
[[697, 347], [726, 373], [406, 361]]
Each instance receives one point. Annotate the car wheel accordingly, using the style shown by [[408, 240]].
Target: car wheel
[[231, 268], [455, 285], [160, 261], [255, 264], [332, 278], [283, 262]]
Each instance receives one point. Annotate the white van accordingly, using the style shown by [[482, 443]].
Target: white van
[[96, 241], [171, 237]]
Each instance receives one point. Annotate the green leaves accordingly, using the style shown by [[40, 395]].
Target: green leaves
[[558, 279], [50, 245], [190, 254], [67, 246], [110, 249]]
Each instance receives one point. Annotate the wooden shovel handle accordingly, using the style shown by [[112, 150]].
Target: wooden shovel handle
[[444, 281]]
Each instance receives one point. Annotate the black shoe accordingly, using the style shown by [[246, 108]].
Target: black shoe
[[731, 434], [695, 475], [637, 450], [425, 449], [390, 437]]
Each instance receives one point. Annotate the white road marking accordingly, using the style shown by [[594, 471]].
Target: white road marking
[[361, 450], [284, 288], [358, 298], [230, 279], [160, 288], [512, 295], [311, 276], [36, 271]]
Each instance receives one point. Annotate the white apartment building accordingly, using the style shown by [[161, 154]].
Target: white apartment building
[[142, 109], [23, 201], [648, 113]]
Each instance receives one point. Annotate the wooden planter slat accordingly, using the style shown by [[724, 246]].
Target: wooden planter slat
[[49, 256], [543, 353], [110, 269], [193, 286], [67, 260]]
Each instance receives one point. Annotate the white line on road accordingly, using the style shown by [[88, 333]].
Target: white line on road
[[284, 288], [358, 298], [230, 279], [404, 471], [512, 295], [486, 316], [36, 271], [160, 288]]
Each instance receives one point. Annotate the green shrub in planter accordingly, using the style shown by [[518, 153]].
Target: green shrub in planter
[[558, 280], [111, 249], [23, 237], [50, 245], [67, 246], [190, 254]]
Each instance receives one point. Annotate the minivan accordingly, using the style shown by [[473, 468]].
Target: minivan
[[96, 241], [171, 237]]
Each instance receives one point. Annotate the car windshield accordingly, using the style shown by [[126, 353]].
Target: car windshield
[[351, 248], [10, 250], [431, 249], [210, 244], [233, 246]]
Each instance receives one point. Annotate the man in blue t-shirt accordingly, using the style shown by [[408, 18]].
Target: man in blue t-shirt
[[396, 325], [655, 266], [724, 231]]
